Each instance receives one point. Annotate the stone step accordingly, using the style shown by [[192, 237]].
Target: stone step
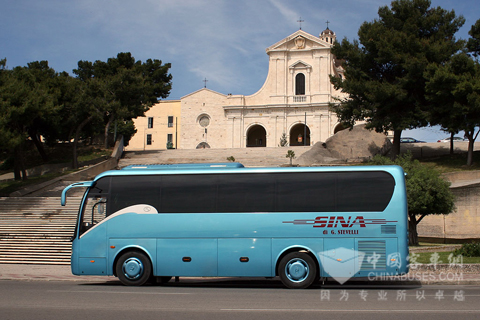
[[35, 234], [52, 246], [38, 226], [22, 229], [34, 251], [37, 260], [11, 217], [37, 230]]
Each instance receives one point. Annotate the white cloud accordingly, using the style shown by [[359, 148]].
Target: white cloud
[[290, 15]]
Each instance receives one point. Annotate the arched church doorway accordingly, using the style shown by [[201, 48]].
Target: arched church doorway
[[256, 136], [298, 137], [203, 145], [339, 127]]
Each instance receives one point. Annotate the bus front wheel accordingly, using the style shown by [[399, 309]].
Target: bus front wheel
[[297, 270], [133, 268]]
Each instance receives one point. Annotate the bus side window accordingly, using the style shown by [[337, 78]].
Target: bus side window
[[95, 211], [99, 210]]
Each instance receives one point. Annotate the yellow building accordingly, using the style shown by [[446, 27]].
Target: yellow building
[[158, 129]]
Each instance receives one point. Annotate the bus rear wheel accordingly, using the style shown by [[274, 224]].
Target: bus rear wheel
[[297, 270], [133, 268]]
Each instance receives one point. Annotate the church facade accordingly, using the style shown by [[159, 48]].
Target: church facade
[[291, 108]]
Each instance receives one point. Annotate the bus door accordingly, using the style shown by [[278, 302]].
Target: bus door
[[90, 245]]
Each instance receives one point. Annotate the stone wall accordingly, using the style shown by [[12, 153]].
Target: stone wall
[[464, 222]]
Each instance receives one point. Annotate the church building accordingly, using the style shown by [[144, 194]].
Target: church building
[[292, 107]]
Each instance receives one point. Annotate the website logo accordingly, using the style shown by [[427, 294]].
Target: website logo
[[341, 263]]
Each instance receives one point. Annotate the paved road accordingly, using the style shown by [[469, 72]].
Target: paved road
[[236, 299]]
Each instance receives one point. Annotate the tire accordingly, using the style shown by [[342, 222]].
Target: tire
[[134, 268], [297, 270]]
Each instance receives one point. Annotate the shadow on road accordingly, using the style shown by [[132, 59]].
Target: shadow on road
[[275, 283]]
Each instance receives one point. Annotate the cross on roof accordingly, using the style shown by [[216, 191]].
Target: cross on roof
[[328, 23], [205, 81], [300, 21]]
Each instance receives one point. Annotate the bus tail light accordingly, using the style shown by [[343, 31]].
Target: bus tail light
[[186, 259]]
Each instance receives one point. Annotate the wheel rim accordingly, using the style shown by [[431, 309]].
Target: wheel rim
[[297, 270], [132, 268]]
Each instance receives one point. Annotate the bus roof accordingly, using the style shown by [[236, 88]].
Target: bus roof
[[202, 168], [227, 165]]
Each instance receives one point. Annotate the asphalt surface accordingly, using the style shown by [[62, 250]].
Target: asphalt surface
[[229, 300]]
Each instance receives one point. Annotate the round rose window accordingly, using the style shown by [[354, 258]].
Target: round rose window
[[204, 121]]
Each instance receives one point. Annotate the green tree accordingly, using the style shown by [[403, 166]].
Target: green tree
[[126, 129], [291, 155], [119, 89], [283, 140], [25, 98], [47, 78], [473, 44], [384, 68], [125, 88], [454, 90], [427, 192]]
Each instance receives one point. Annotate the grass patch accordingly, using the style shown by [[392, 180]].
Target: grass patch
[[7, 187], [454, 162], [62, 153], [441, 257], [94, 154]]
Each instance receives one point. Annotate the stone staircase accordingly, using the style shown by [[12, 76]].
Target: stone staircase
[[37, 230], [249, 157]]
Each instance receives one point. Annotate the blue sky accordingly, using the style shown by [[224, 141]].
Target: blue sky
[[223, 41]]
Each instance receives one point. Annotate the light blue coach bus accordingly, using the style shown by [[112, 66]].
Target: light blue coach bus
[[152, 223]]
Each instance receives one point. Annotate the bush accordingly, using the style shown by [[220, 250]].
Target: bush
[[291, 155], [283, 140], [468, 250], [7, 164], [427, 192]]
